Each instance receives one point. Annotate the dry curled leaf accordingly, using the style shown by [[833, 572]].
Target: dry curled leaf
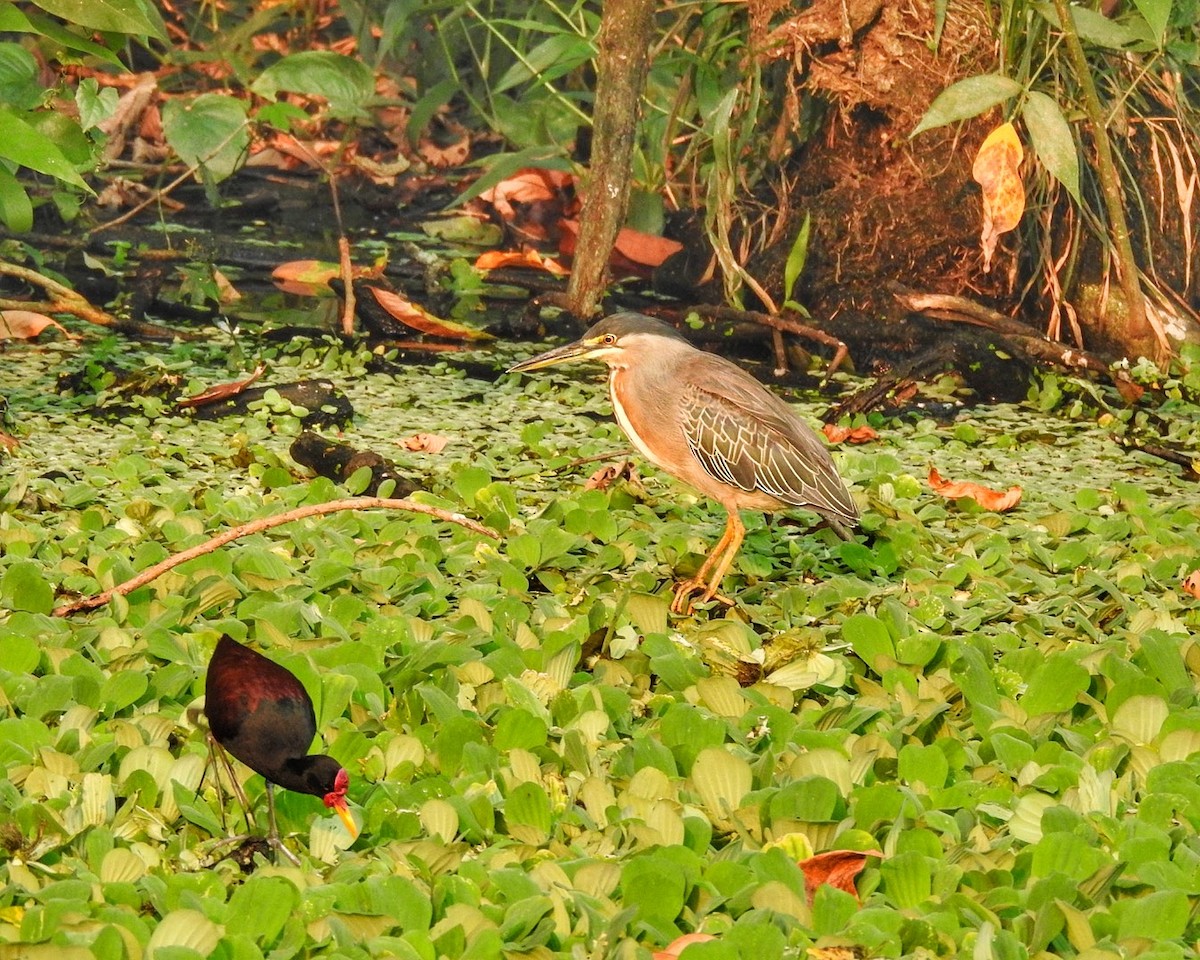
[[26, 325], [530, 259], [424, 443], [222, 391], [677, 946], [860, 434], [411, 315], [603, 478], [838, 868], [997, 171], [986, 497], [1191, 584]]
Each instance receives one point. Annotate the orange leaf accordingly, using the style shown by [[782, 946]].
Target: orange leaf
[[679, 944], [637, 248], [986, 497], [997, 171], [528, 185], [494, 259], [424, 443], [838, 868], [222, 391], [1191, 584], [409, 314], [860, 434], [26, 325]]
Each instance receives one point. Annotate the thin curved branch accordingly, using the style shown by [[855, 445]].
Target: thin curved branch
[[266, 523]]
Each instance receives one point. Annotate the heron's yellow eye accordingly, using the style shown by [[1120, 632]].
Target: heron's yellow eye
[[609, 339]]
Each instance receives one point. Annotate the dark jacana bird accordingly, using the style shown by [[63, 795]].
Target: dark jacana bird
[[260, 712]]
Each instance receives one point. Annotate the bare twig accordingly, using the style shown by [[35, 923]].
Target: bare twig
[[782, 324], [266, 523]]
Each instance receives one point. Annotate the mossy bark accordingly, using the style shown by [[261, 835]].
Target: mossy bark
[[622, 63]]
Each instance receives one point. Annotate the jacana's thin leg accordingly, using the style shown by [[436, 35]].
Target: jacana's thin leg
[[689, 586], [217, 755], [273, 837]]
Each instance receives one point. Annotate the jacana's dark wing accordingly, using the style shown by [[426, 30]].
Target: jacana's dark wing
[[745, 436]]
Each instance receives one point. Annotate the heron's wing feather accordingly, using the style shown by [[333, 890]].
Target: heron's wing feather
[[744, 435]]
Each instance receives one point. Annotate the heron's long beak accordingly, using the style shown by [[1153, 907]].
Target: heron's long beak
[[579, 350]]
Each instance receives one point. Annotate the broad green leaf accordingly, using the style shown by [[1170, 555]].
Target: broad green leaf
[[1158, 916], [24, 587], [260, 908], [68, 39], [209, 131], [869, 638], [1055, 686], [114, 16], [346, 83], [1050, 135], [21, 142], [1157, 14], [19, 84], [967, 98], [16, 209], [907, 879], [722, 781]]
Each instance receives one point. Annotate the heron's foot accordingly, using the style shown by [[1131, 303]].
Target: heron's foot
[[682, 604]]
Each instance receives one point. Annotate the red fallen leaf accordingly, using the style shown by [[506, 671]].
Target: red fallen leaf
[[528, 185], [640, 249], [221, 391], [26, 325], [409, 314], [986, 497], [860, 434], [1191, 584], [838, 868], [495, 259], [677, 946], [9, 443], [424, 443]]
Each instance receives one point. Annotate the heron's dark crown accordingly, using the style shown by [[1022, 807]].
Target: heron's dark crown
[[629, 323]]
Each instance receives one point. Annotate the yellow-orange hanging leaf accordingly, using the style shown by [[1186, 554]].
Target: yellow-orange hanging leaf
[[997, 170], [986, 497]]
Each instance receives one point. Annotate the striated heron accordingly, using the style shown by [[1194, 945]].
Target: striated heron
[[707, 422]]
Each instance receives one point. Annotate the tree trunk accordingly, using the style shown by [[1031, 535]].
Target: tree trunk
[[624, 55]]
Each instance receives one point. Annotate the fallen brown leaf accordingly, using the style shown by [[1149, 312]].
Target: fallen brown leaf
[[411, 315], [603, 478], [222, 391], [531, 259], [633, 246], [986, 497], [863, 433], [528, 185], [26, 325], [838, 868], [424, 443], [10, 443]]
